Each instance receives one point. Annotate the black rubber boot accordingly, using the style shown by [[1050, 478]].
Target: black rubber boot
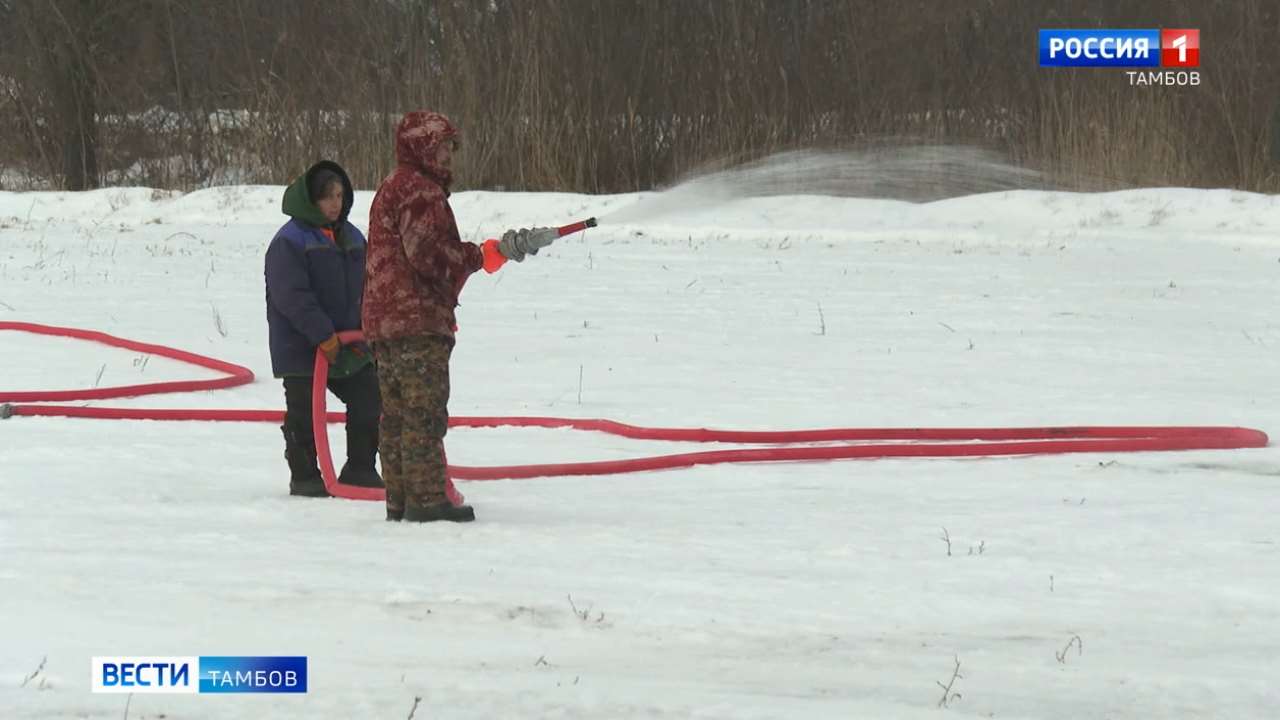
[[304, 476], [440, 511], [362, 448]]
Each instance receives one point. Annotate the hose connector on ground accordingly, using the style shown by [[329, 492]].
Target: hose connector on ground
[[6, 411]]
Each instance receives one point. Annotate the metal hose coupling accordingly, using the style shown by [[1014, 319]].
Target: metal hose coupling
[[6, 411]]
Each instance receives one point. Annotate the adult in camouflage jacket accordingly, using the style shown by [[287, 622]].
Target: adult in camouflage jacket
[[416, 266]]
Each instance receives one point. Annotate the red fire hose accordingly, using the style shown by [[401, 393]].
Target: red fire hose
[[319, 381], [861, 442]]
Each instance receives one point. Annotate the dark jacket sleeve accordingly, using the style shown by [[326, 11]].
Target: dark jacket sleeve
[[289, 291], [356, 234]]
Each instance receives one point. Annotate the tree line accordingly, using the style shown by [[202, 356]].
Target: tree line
[[613, 95]]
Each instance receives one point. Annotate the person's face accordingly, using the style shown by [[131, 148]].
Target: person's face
[[330, 203], [444, 153]]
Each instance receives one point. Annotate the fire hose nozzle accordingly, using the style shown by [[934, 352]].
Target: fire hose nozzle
[[576, 227]]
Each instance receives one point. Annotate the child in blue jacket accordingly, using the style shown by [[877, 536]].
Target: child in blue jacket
[[315, 278]]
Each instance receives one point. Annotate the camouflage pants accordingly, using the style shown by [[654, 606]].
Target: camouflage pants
[[413, 375]]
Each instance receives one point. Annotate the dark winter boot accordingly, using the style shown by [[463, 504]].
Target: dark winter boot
[[304, 476], [362, 448], [440, 511]]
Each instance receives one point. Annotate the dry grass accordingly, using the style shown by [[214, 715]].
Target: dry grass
[[614, 96]]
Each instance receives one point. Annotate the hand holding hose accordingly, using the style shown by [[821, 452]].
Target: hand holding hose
[[330, 348], [518, 244]]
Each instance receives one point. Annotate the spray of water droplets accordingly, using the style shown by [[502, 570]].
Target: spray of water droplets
[[915, 173]]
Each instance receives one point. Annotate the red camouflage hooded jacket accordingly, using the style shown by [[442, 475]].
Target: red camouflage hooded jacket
[[416, 261]]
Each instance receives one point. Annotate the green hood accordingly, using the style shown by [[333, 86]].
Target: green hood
[[297, 200]]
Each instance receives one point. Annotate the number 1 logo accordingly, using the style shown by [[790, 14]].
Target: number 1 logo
[[1180, 48]]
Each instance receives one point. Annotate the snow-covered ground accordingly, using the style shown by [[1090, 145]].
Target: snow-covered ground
[[1076, 586]]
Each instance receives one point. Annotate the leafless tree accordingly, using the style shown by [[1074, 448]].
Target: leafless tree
[[613, 95]]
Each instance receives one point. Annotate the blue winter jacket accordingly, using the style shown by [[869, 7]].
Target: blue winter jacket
[[314, 283]]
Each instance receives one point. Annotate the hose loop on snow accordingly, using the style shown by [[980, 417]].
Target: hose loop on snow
[[784, 445]]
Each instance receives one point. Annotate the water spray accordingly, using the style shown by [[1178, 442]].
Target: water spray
[[890, 169]]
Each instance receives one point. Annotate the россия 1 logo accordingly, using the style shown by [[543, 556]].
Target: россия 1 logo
[[1175, 50]]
